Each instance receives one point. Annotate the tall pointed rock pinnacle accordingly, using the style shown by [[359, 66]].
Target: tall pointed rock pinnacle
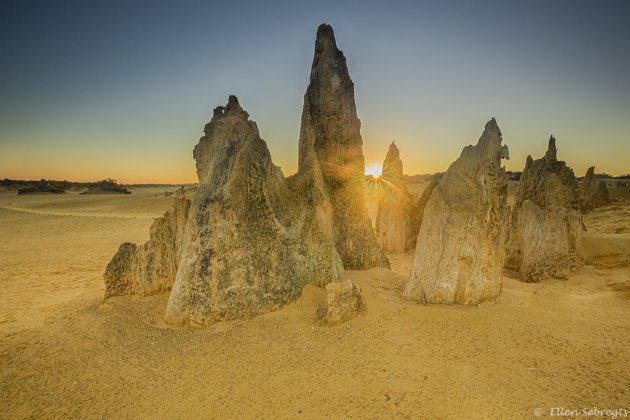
[[544, 238], [552, 150], [395, 215], [251, 239], [248, 247], [392, 165], [331, 159], [460, 247]]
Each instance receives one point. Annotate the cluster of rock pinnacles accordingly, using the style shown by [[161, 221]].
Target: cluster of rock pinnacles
[[250, 239]]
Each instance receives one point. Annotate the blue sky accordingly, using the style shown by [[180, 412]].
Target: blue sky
[[123, 89]]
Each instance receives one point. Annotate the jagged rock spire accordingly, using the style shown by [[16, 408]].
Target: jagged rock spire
[[325, 44], [245, 249], [560, 189], [460, 248], [392, 165], [395, 228], [331, 159], [252, 238], [544, 238], [552, 150]]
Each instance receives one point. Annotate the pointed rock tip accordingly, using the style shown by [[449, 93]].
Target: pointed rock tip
[[325, 31], [552, 150], [493, 126], [492, 123], [325, 38], [232, 108], [232, 100]]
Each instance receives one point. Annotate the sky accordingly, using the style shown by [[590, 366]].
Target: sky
[[122, 89]]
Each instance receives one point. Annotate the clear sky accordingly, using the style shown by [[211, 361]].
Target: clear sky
[[122, 89]]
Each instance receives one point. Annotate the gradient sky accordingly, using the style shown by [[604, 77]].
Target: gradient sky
[[90, 90]]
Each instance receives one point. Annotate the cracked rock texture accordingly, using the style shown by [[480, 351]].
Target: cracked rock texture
[[150, 268], [343, 302], [253, 238], [550, 241], [460, 249], [245, 247], [419, 206], [545, 232], [331, 164]]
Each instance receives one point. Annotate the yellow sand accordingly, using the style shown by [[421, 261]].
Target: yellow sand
[[66, 354]]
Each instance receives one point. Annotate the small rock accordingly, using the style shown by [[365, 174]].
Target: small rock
[[344, 301]]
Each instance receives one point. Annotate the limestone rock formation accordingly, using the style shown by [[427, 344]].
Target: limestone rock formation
[[548, 182], [550, 241], [418, 209], [343, 301], [417, 212], [331, 164], [250, 245], [460, 248], [593, 193], [544, 237], [150, 268], [394, 219], [253, 238]]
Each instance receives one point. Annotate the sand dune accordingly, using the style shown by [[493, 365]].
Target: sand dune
[[64, 353]]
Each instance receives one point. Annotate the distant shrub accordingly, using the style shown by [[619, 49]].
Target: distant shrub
[[41, 186], [106, 185]]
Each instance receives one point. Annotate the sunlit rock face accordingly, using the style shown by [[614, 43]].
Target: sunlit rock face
[[252, 239], [394, 219], [545, 232], [331, 164], [593, 192], [244, 249], [418, 209], [150, 268], [460, 248]]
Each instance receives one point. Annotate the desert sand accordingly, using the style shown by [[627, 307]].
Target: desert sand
[[65, 353]]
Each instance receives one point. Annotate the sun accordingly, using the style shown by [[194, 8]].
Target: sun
[[374, 169]]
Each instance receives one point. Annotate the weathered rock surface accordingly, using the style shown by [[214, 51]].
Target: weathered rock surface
[[150, 268], [544, 237], [418, 209], [550, 240], [547, 182], [460, 248], [343, 301], [253, 238], [250, 246], [331, 164], [593, 193], [395, 218]]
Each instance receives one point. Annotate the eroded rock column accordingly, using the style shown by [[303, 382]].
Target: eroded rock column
[[460, 248]]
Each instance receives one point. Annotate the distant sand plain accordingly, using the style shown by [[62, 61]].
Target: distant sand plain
[[64, 353]]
